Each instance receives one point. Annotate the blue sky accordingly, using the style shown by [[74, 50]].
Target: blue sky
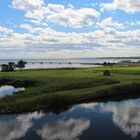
[[69, 28]]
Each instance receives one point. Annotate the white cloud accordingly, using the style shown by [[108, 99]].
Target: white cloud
[[27, 4], [129, 6], [48, 42], [28, 27], [5, 31], [110, 23], [55, 13], [72, 17]]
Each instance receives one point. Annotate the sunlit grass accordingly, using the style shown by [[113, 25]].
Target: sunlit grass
[[65, 86]]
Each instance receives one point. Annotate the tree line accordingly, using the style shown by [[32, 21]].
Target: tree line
[[12, 65]]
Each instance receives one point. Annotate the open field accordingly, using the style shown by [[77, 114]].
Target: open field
[[59, 87]]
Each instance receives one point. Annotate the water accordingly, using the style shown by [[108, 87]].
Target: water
[[62, 63], [9, 90], [99, 121]]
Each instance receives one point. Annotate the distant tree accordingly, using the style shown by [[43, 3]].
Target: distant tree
[[12, 66], [105, 63], [106, 73], [4, 67], [21, 64], [8, 67]]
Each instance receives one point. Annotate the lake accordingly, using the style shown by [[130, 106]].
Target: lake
[[114, 120], [67, 62]]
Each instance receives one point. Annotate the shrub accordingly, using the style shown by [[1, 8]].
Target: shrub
[[106, 73]]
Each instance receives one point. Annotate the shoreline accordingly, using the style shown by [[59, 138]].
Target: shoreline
[[56, 109]]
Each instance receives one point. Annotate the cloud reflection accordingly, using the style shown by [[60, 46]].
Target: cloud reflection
[[69, 129], [126, 116], [17, 128], [9, 90]]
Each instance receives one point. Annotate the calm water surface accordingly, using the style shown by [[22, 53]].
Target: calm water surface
[[8, 90], [62, 63], [92, 121]]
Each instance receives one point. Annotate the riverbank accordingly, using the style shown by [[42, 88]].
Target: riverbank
[[52, 88]]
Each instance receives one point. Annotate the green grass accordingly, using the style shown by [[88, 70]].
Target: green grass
[[58, 87]]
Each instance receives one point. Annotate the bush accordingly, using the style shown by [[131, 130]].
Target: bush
[[106, 73]]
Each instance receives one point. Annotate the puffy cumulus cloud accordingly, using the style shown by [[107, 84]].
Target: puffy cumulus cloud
[[108, 22], [27, 4], [129, 6], [38, 15], [126, 116], [69, 129], [106, 42], [72, 17], [59, 14], [18, 127]]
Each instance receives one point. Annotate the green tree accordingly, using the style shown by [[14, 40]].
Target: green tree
[[5, 67], [21, 64], [8, 67], [12, 66]]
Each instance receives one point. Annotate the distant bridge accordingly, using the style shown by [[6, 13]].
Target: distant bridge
[[81, 63]]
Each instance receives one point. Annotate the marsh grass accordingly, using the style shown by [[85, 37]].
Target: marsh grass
[[17, 83], [54, 88]]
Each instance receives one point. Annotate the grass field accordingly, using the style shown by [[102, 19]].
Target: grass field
[[59, 87]]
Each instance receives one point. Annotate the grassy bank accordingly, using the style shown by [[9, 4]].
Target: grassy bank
[[59, 87]]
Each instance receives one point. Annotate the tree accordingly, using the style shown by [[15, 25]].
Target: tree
[[106, 73], [105, 63], [4, 67], [12, 66], [8, 67], [21, 64]]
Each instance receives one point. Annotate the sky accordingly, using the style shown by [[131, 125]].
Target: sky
[[69, 28]]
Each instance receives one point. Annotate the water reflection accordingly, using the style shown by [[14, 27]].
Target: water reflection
[[126, 116], [9, 90], [88, 106], [18, 127], [81, 122], [69, 129]]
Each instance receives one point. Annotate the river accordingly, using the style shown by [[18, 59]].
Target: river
[[113, 120]]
